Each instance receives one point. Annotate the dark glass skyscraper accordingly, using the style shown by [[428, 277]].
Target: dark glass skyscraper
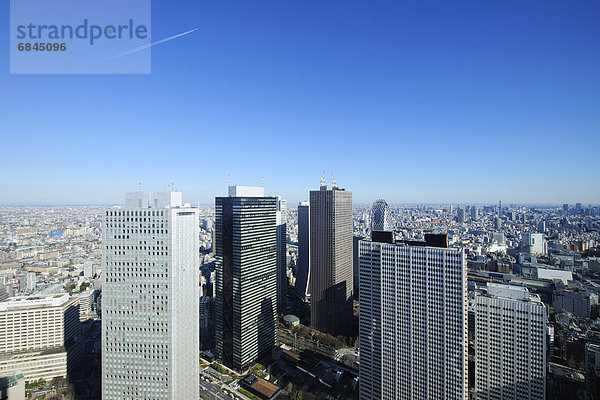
[[303, 264], [331, 280], [246, 272]]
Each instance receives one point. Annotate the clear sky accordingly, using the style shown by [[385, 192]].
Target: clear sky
[[445, 101]]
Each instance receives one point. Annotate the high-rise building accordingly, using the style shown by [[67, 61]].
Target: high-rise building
[[303, 264], [510, 344], [150, 336], [565, 208], [592, 369], [38, 336], [381, 219], [207, 322], [282, 279], [412, 321], [474, 213], [541, 227], [497, 223], [246, 270], [533, 243], [331, 281], [460, 215]]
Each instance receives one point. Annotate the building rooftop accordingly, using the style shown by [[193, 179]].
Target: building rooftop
[[262, 387], [511, 292], [153, 200], [19, 303], [246, 191]]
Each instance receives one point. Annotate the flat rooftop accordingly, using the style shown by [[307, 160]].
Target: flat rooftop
[[34, 301], [262, 386]]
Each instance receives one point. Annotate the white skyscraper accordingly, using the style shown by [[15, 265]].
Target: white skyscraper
[[510, 344], [150, 333], [533, 243], [412, 321]]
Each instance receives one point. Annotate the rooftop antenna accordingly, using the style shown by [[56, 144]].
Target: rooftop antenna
[[140, 187], [172, 187], [228, 180], [263, 181]]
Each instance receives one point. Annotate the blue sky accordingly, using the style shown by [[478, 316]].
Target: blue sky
[[413, 102]]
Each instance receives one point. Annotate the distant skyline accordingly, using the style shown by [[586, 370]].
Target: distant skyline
[[432, 102]]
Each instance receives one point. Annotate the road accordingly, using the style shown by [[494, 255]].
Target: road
[[212, 389]]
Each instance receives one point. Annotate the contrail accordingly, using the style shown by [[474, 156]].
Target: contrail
[[136, 49]]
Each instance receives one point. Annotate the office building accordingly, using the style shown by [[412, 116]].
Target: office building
[[31, 281], [86, 301], [303, 264], [413, 320], [381, 219], [510, 344], [331, 280], [37, 336], [246, 271], [150, 337], [577, 303], [592, 369], [282, 279], [497, 223], [460, 215], [207, 322], [541, 227], [533, 243], [474, 213]]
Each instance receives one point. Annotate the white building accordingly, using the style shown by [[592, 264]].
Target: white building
[[533, 243], [510, 344], [86, 300], [150, 336], [31, 281], [553, 273], [33, 334], [88, 269], [412, 322]]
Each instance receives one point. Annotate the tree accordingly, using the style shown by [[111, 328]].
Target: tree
[[296, 395]]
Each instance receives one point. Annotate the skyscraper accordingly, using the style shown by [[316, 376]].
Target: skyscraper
[[282, 279], [510, 344], [460, 215], [412, 321], [497, 223], [150, 337], [303, 265], [381, 220], [331, 281], [246, 270], [474, 213]]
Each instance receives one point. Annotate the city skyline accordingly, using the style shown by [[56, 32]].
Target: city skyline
[[418, 103], [292, 203]]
